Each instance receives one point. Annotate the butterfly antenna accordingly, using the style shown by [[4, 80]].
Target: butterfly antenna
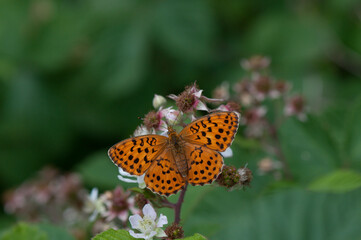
[[177, 118]]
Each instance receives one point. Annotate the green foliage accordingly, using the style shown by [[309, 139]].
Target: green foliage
[[282, 215], [112, 234], [196, 236], [339, 181], [55, 232], [25, 231], [98, 170]]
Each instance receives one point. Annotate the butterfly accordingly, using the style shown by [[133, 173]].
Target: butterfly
[[169, 163]]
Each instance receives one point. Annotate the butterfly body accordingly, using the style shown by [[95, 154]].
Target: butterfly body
[[191, 156], [176, 145]]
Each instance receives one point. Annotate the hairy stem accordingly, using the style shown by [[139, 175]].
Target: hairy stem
[[166, 203], [178, 205]]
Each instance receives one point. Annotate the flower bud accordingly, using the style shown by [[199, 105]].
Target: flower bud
[[152, 120], [245, 176], [140, 200], [295, 106], [255, 63], [158, 101], [222, 92], [229, 177], [174, 231], [186, 101]]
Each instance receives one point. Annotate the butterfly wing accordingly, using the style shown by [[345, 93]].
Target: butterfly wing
[[162, 176], [204, 164], [135, 155], [215, 131]]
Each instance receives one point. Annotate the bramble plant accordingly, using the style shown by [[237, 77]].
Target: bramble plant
[[255, 96]]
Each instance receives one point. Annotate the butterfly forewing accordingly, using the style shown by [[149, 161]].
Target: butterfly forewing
[[205, 164], [162, 176], [135, 155], [215, 131]]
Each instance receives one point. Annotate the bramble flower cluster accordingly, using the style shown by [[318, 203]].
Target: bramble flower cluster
[[110, 207], [265, 102], [50, 196]]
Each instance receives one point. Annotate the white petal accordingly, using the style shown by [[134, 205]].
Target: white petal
[[141, 182], [162, 220], [198, 94], [172, 96], [93, 216], [165, 134], [123, 215], [140, 131], [227, 153], [94, 194], [261, 111], [222, 108], [134, 221], [151, 235], [193, 118], [163, 126], [121, 178], [201, 106], [137, 235], [149, 211], [124, 173], [160, 233]]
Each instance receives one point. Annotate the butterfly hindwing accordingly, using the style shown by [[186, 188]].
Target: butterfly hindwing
[[162, 176], [204, 164]]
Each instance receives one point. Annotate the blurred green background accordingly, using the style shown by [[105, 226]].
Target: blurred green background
[[75, 75]]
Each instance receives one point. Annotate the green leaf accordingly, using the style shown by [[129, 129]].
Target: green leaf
[[339, 181], [23, 231], [196, 236], [309, 148], [112, 234], [184, 29], [98, 170], [55, 232], [289, 214], [352, 142]]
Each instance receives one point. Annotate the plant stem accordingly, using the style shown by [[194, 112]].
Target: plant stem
[[278, 150], [178, 205], [166, 203]]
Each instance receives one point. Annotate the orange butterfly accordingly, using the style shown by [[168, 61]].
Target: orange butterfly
[[170, 162]]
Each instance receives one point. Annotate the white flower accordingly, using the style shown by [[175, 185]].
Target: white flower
[[94, 204], [129, 178], [148, 226], [158, 101]]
